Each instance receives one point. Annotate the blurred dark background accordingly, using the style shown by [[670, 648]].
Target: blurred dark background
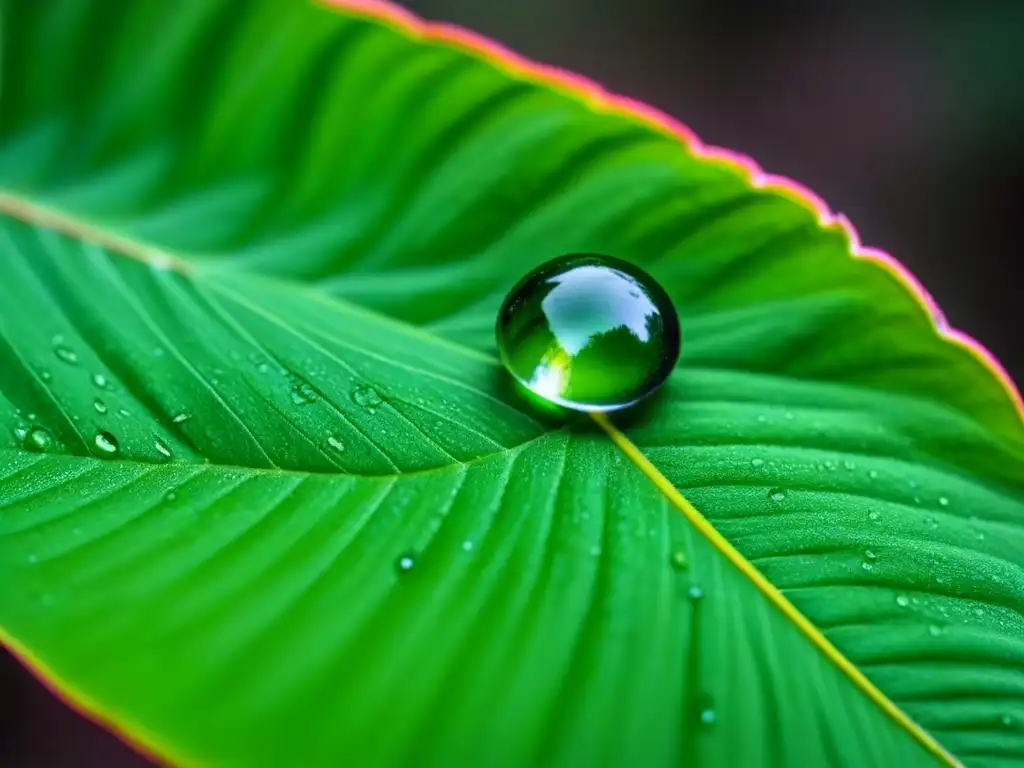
[[907, 115]]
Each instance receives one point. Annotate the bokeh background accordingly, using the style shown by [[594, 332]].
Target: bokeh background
[[907, 115]]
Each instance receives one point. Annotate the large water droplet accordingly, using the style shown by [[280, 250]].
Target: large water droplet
[[589, 332], [106, 444], [366, 397], [777, 494], [38, 439]]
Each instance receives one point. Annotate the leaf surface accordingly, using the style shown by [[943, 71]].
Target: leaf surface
[[267, 498]]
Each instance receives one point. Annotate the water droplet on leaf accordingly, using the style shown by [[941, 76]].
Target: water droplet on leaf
[[161, 448], [63, 352], [902, 601], [106, 444], [589, 333], [943, 501], [679, 560], [1007, 721], [99, 405], [935, 630], [777, 494], [757, 463], [695, 593], [467, 545], [335, 444], [180, 418], [405, 563], [366, 397], [99, 380], [303, 394], [875, 514], [873, 474], [38, 439]]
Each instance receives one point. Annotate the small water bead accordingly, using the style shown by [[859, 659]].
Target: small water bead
[[757, 463], [63, 352], [873, 474], [180, 418], [20, 433], [366, 397], [99, 405], [695, 593], [943, 501], [38, 439], [708, 716], [679, 560], [45, 375], [935, 630], [161, 448], [335, 444], [874, 515], [303, 394], [902, 601], [99, 380], [777, 494], [589, 332], [870, 555], [106, 444], [405, 563], [467, 545]]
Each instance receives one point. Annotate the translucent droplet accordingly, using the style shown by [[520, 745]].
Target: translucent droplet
[[20, 433], [63, 352], [99, 405], [875, 514], [943, 501], [366, 397], [170, 496], [303, 394], [467, 545], [873, 474], [106, 444], [867, 566], [589, 332], [849, 466], [99, 380], [162, 448], [45, 375], [757, 463], [870, 555], [935, 630], [695, 593], [777, 494], [335, 444], [180, 418], [405, 563], [708, 716], [38, 439], [679, 559], [902, 601]]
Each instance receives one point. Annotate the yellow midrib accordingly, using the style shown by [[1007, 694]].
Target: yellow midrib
[[773, 594]]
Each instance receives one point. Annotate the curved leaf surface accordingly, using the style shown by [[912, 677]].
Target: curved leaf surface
[[283, 509]]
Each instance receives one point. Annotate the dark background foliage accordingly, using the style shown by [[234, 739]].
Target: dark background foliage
[[903, 114]]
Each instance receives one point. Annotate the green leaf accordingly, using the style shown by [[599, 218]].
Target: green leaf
[[267, 498]]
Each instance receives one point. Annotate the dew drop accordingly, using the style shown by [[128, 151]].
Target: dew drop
[[679, 559], [170, 496], [20, 433], [873, 474], [99, 380], [757, 463], [405, 563], [695, 593], [161, 448], [99, 405], [588, 332], [935, 630], [180, 418], [777, 494], [63, 352], [867, 566], [38, 439], [106, 444], [708, 716], [335, 443], [902, 601], [875, 515], [467, 545], [762, 419], [45, 375], [366, 397], [943, 501], [303, 394], [123, 412], [870, 555]]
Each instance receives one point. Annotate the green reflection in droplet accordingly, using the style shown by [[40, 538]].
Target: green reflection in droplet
[[588, 332]]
